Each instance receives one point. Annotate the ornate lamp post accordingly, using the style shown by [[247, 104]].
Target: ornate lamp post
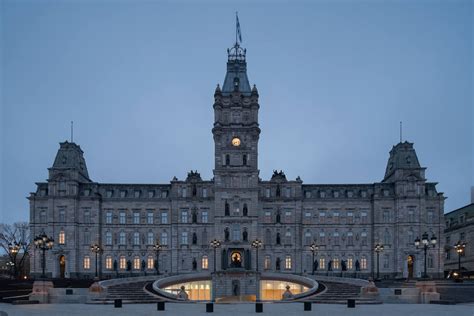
[[43, 242], [378, 249], [314, 249], [425, 245], [13, 249], [157, 247], [460, 247], [257, 244], [95, 248], [215, 244]]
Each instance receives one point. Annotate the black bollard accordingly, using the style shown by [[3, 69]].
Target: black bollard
[[351, 303], [118, 303], [160, 306], [209, 308], [258, 308], [307, 306]]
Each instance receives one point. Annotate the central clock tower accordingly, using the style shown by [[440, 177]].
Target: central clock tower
[[236, 176]]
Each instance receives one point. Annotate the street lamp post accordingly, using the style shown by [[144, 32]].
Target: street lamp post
[[460, 248], [13, 249], [157, 247], [257, 244], [43, 242], [215, 244], [95, 248], [314, 248], [378, 249], [425, 245]]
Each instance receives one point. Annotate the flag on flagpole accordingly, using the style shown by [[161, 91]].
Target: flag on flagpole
[[238, 34]]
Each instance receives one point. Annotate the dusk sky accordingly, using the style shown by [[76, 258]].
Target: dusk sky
[[137, 78]]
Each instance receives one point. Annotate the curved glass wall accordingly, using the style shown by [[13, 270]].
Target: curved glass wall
[[272, 290], [196, 290]]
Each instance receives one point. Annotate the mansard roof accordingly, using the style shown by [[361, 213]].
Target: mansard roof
[[69, 157], [236, 75], [402, 156]]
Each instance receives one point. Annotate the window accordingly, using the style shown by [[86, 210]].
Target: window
[[335, 215], [364, 238], [184, 216], [336, 194], [350, 194], [307, 214], [430, 216], [136, 217], [335, 263], [87, 217], [307, 194], [411, 215], [183, 192], [149, 217], [307, 237], [123, 193], [109, 193], [363, 194], [108, 217], [322, 237], [87, 238], [122, 263], [43, 216], [151, 194], [87, 263], [184, 238], [350, 217], [164, 194], [122, 238], [244, 160], [122, 219], [137, 193], [288, 262], [322, 264], [164, 217], [204, 192], [336, 238], [62, 215], [108, 263], [205, 263], [288, 213], [387, 240], [108, 238], [267, 192], [136, 263], [288, 192], [350, 238], [363, 216], [322, 194], [267, 263], [385, 193], [150, 238], [349, 264], [150, 263], [164, 238], [363, 263], [386, 261], [236, 234], [386, 216], [204, 216], [288, 236], [136, 238], [62, 237]]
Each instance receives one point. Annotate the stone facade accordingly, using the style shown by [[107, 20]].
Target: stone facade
[[236, 207], [460, 228]]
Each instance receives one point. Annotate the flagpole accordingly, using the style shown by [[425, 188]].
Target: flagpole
[[236, 25]]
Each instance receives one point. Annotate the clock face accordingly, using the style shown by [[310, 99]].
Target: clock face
[[236, 141]]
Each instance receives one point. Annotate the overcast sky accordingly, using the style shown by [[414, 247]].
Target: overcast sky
[[137, 77]]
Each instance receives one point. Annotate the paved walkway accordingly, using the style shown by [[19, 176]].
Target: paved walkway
[[286, 309]]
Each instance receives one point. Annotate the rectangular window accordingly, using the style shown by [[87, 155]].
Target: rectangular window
[[288, 213], [335, 263], [122, 263], [62, 237], [307, 214], [267, 193], [164, 194], [150, 238], [122, 218], [288, 192], [236, 234], [122, 238], [136, 263], [164, 238], [322, 238], [62, 215], [87, 238], [151, 194], [350, 238], [184, 238], [108, 238], [204, 192], [364, 238], [349, 263], [183, 192], [137, 193], [363, 217], [108, 217], [164, 217], [87, 217], [150, 263], [136, 238], [386, 216], [205, 263], [411, 215], [322, 264], [43, 216], [109, 193], [204, 216], [108, 263], [123, 193], [136, 217], [87, 263], [363, 263], [267, 263], [386, 261], [149, 217], [184, 216], [288, 262], [430, 215], [350, 218]]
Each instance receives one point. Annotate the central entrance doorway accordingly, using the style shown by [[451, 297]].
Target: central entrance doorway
[[410, 262]]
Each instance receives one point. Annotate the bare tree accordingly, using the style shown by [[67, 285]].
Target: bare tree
[[15, 241]]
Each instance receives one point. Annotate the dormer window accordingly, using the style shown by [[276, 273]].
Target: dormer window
[[123, 193], [109, 193], [236, 84], [137, 193]]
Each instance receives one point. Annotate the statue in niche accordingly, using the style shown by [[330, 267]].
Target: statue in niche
[[330, 265], [278, 239], [194, 264], [277, 265], [236, 260], [195, 238], [194, 217], [227, 209], [357, 264], [245, 235], [315, 265], [343, 265], [226, 234], [278, 217], [278, 193]]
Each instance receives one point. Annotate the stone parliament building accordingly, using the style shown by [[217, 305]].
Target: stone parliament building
[[236, 207]]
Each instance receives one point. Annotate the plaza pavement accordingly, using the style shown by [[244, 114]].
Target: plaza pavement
[[281, 309]]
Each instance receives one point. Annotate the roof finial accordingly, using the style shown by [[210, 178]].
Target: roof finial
[[238, 34], [72, 131]]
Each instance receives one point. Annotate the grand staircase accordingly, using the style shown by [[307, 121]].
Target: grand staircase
[[130, 293], [339, 293]]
